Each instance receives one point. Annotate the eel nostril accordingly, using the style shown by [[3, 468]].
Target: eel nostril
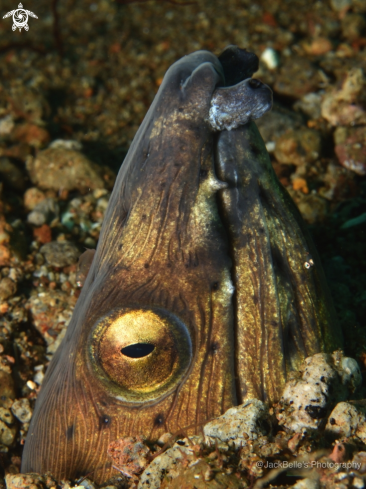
[[138, 350], [159, 420], [253, 83]]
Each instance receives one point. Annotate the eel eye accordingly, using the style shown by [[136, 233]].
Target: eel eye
[[140, 354]]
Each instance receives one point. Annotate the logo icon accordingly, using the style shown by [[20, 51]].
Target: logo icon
[[20, 17]]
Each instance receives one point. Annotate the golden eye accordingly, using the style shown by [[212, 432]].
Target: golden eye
[[140, 354]]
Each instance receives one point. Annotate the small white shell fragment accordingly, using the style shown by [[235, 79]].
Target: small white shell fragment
[[270, 146], [270, 58], [31, 385]]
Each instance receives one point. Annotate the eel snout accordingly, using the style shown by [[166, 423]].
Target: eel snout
[[234, 106]]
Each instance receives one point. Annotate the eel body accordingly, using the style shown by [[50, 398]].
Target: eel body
[[197, 297]]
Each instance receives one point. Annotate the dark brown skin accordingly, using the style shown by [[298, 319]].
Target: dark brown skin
[[197, 297]]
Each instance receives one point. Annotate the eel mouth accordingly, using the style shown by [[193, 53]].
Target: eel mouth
[[234, 106]]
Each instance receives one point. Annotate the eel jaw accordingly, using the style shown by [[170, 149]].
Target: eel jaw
[[235, 106]]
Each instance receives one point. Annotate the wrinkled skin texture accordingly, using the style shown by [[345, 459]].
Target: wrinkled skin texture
[[197, 296]]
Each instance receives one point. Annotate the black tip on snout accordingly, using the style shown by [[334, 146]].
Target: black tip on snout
[[238, 64]]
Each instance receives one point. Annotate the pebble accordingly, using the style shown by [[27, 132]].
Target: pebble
[[11, 174], [350, 373], [45, 211], [39, 374], [32, 197], [66, 144], [7, 433], [129, 454], [199, 475], [318, 46], [313, 207], [43, 234], [309, 104], [19, 152], [31, 481], [353, 26], [297, 77], [64, 169], [298, 147], [85, 215], [358, 483], [51, 313], [165, 438], [306, 483], [4, 255], [360, 459], [87, 484], [166, 464], [326, 379], [60, 253], [347, 420], [6, 416], [359, 6], [22, 410], [338, 182], [345, 106], [28, 100], [299, 183], [238, 424], [32, 385], [31, 134], [340, 5], [6, 125], [7, 390], [350, 148], [270, 58], [7, 288], [275, 123]]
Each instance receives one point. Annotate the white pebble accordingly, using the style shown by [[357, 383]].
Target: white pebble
[[38, 378], [238, 424], [358, 483], [270, 58], [31, 385]]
